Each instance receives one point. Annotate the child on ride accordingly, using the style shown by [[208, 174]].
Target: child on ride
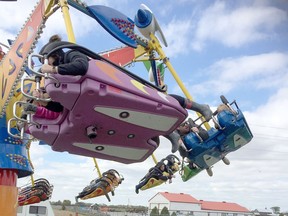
[[186, 103], [72, 62], [159, 172], [186, 128], [41, 109]]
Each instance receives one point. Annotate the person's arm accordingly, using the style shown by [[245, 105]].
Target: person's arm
[[75, 64], [201, 132], [42, 112], [162, 177], [169, 171], [51, 105]]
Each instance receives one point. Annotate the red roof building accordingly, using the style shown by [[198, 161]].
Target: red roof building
[[222, 206], [181, 197], [186, 205]]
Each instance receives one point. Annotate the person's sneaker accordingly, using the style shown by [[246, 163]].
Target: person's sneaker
[[209, 171], [207, 113], [175, 140], [226, 160], [30, 108], [175, 146]]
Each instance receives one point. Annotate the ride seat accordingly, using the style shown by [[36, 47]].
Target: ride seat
[[68, 90], [228, 121], [125, 112]]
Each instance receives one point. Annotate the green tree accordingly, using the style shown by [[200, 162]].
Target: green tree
[[173, 214], [80, 204], [154, 212], [57, 203], [66, 202], [165, 212]]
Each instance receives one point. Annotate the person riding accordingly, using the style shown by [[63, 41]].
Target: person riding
[[186, 103], [184, 129], [71, 63], [159, 172]]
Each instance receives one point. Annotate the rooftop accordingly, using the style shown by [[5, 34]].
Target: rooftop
[[205, 205], [222, 206], [179, 197]]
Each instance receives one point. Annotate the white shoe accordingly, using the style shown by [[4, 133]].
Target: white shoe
[[209, 171], [225, 160]]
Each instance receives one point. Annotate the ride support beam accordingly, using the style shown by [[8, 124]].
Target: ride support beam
[[11, 67], [154, 44], [97, 167], [66, 15], [154, 159]]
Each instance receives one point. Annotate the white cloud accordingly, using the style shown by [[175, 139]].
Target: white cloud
[[177, 35], [237, 27], [82, 24], [10, 27], [259, 71], [20, 11], [232, 27], [274, 112]]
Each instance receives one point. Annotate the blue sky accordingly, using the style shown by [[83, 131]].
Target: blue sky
[[235, 48]]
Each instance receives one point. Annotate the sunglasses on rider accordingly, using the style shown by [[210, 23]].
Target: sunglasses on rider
[[184, 124]]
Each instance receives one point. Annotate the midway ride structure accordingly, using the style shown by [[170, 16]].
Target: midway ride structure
[[15, 163], [145, 111]]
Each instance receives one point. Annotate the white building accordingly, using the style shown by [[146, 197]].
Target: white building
[[186, 205], [263, 212], [37, 209]]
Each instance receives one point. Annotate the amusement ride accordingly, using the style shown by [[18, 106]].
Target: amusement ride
[[109, 113]]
